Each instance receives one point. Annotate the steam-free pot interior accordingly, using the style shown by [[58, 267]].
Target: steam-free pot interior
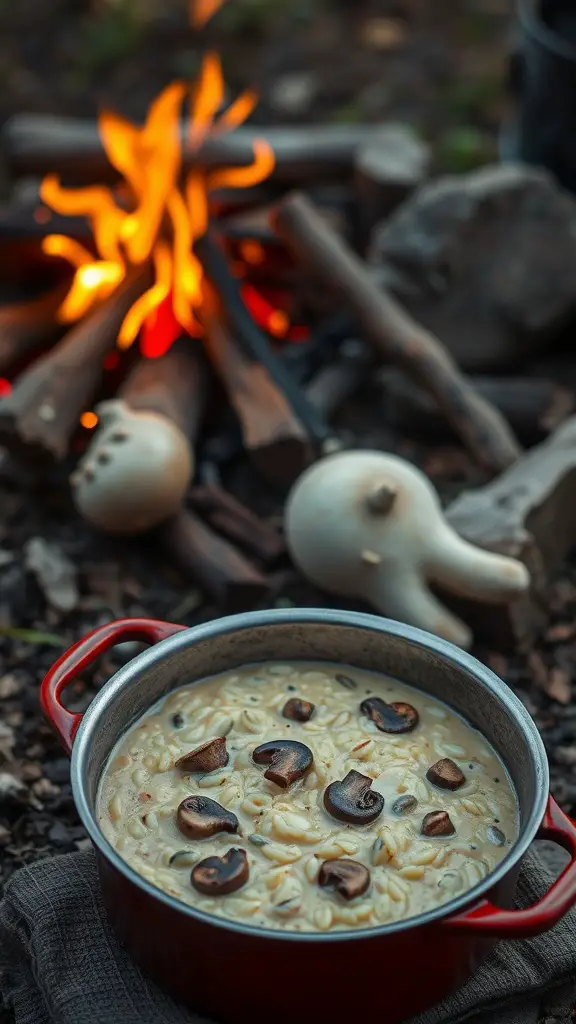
[[311, 796]]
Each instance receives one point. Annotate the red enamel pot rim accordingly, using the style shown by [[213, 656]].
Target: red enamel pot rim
[[81, 732]]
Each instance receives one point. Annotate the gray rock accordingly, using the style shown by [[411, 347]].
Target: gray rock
[[486, 261]]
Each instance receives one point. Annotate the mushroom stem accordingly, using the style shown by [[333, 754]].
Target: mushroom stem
[[381, 500], [472, 572], [404, 596]]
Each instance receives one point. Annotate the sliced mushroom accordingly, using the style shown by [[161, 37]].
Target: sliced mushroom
[[392, 718], [289, 761], [404, 804], [198, 817], [298, 710], [347, 877], [437, 823], [207, 758], [219, 876], [446, 774], [353, 801]]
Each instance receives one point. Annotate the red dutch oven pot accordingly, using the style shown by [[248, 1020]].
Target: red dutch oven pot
[[232, 971]]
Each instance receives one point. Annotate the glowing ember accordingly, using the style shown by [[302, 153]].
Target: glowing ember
[[273, 320], [253, 252], [159, 219], [89, 420]]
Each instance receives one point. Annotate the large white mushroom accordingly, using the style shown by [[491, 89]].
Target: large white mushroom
[[369, 525], [135, 472]]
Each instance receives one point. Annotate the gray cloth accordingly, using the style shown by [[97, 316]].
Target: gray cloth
[[60, 962]]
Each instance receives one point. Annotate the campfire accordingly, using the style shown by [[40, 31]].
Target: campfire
[[217, 291]]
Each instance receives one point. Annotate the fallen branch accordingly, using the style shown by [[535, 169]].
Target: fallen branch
[[395, 335], [211, 563], [43, 410]]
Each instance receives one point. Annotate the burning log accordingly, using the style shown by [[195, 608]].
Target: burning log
[[256, 359], [273, 436], [42, 144], [395, 334], [43, 410], [138, 467], [27, 326], [211, 563], [528, 513], [533, 406], [226, 515]]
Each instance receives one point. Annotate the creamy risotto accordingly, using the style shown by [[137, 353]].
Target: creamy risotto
[[307, 796]]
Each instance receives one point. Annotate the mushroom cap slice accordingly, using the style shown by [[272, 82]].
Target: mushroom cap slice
[[352, 800], [199, 817]]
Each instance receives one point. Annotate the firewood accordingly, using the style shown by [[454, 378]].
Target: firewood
[[273, 436], [254, 347], [174, 386], [28, 326], [40, 415], [212, 563], [394, 334], [533, 406], [527, 512], [228, 516], [40, 144]]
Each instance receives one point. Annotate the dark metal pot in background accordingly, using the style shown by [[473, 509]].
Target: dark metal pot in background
[[543, 81], [234, 971]]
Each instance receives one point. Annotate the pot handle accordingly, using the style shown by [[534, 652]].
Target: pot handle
[[487, 919], [77, 658]]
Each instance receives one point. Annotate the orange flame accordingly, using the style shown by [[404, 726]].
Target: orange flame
[[165, 216], [202, 11]]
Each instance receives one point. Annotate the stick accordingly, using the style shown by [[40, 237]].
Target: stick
[[395, 334], [273, 437], [42, 412], [41, 144], [532, 406], [212, 563], [226, 515], [27, 326]]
